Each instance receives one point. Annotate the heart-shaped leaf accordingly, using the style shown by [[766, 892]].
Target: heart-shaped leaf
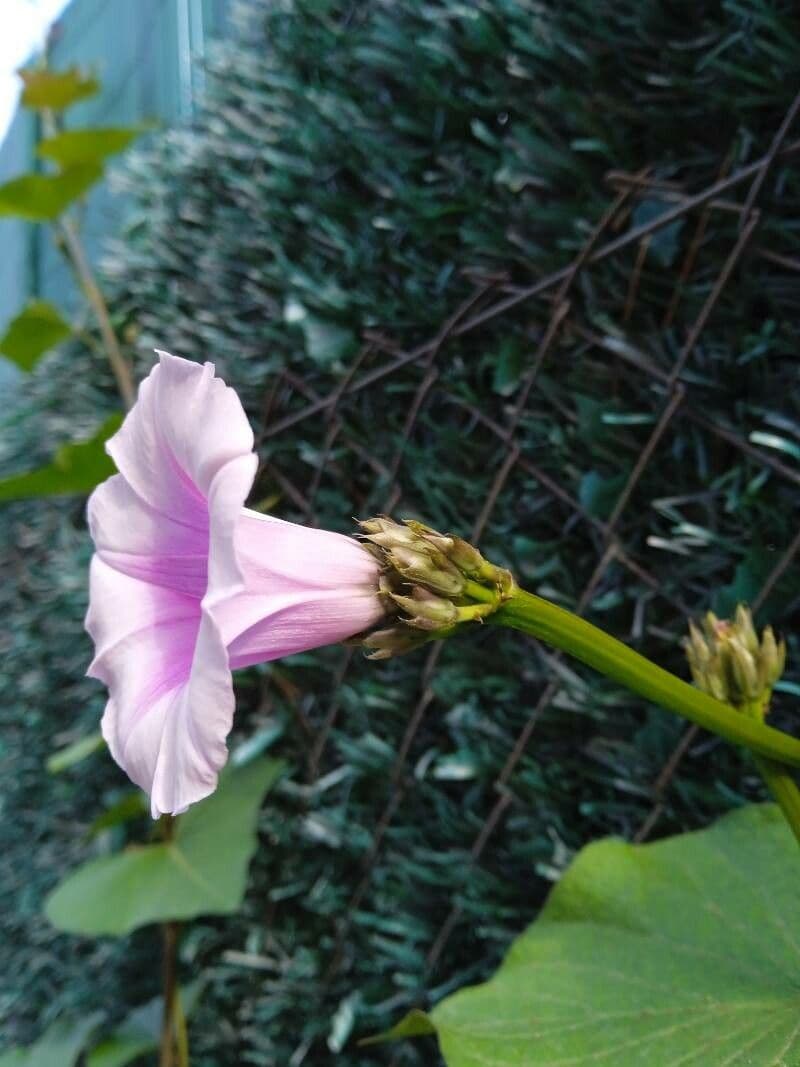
[[76, 468], [86, 146], [42, 197], [685, 952], [37, 328], [201, 871]]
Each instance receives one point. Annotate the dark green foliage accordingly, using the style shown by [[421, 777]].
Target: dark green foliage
[[358, 167]]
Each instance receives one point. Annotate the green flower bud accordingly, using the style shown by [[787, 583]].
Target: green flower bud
[[423, 605], [433, 573], [727, 660], [746, 630], [397, 640]]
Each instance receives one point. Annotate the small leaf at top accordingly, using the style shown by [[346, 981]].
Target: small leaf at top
[[683, 951], [201, 871], [43, 197], [56, 89], [77, 467], [38, 328], [87, 146]]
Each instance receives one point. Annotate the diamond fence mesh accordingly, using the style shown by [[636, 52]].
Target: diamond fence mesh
[[420, 387], [450, 290]]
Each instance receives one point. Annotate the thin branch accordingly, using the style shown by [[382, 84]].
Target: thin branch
[[85, 275]]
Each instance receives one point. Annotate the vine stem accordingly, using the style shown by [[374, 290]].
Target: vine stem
[[783, 787], [173, 1020], [91, 290], [167, 1051], [561, 629], [86, 279]]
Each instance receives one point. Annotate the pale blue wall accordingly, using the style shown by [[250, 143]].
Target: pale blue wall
[[148, 55]]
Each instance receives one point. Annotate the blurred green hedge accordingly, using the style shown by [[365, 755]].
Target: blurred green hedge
[[359, 168]]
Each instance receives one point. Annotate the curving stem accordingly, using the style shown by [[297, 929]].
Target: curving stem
[[563, 630]]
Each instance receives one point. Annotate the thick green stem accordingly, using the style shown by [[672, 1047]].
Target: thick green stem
[[781, 784], [560, 628]]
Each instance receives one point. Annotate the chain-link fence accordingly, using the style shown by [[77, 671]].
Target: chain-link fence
[[623, 432], [559, 329]]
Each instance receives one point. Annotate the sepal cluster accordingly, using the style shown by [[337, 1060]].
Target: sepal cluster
[[431, 584]]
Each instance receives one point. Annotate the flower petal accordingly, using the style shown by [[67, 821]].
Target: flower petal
[[182, 570], [268, 627], [185, 426], [303, 588], [135, 539], [166, 667], [280, 555]]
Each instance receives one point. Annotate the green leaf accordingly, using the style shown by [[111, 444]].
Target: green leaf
[[202, 871], [133, 805], [415, 1024], [686, 951], [508, 366], [42, 197], [140, 1031], [327, 342], [75, 753], [59, 1046], [38, 328], [598, 495], [56, 89], [87, 146], [773, 440], [76, 468]]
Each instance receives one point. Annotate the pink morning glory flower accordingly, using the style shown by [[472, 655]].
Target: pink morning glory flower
[[187, 584]]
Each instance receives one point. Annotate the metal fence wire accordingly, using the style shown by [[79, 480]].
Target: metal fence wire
[[560, 328]]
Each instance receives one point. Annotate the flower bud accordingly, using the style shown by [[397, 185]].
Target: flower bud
[[422, 605], [746, 630], [434, 573], [727, 660], [394, 641], [773, 659]]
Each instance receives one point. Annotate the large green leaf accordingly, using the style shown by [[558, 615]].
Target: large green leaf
[[56, 89], [37, 328], [59, 1046], [202, 871], [76, 468], [42, 197], [86, 146], [685, 952]]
